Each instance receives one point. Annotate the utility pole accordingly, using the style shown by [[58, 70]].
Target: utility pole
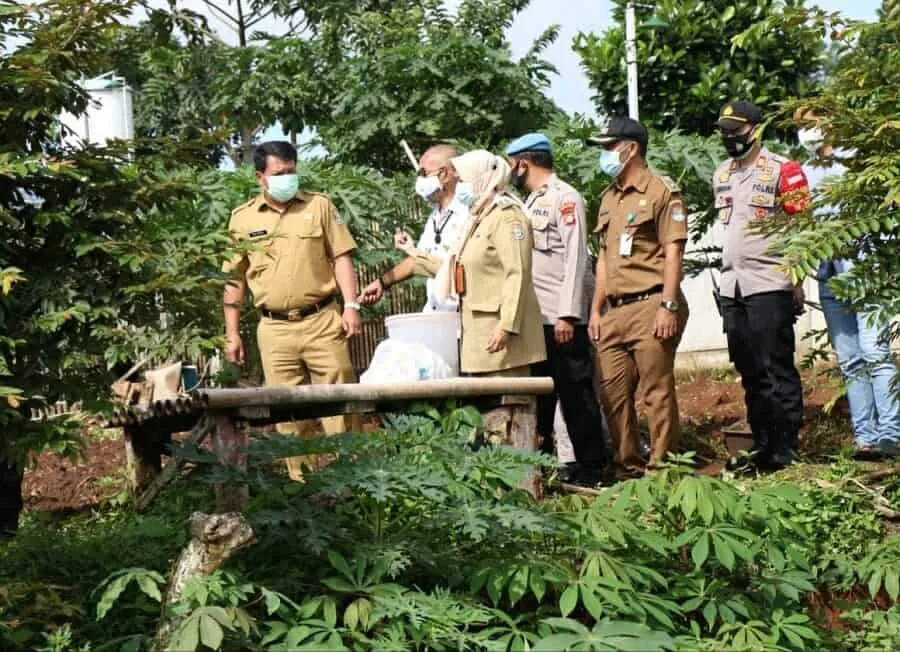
[[631, 59]]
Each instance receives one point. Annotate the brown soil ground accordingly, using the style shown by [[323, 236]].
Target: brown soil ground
[[709, 403]]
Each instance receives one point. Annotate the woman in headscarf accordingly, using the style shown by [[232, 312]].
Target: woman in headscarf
[[490, 272]]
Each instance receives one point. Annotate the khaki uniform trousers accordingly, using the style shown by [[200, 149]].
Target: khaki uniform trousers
[[313, 350], [628, 353]]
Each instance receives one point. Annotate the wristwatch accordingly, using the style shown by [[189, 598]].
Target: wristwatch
[[352, 305], [671, 306]]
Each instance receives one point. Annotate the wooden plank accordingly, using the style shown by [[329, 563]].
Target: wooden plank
[[415, 391]]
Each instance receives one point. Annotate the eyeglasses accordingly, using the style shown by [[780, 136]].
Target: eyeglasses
[[425, 173]]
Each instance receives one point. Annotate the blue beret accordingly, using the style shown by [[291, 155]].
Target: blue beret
[[528, 143]]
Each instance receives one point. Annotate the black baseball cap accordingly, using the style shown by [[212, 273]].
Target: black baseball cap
[[619, 128], [735, 114]]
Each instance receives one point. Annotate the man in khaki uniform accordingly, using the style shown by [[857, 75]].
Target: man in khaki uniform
[[297, 260], [564, 283], [639, 312]]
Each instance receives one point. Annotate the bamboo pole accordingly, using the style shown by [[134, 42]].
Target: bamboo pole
[[422, 390]]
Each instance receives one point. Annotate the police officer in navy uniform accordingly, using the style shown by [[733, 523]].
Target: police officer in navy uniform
[[759, 302], [563, 280]]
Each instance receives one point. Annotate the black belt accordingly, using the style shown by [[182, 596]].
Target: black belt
[[634, 297], [298, 313]]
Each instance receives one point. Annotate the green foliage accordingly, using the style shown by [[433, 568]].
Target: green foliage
[[396, 82], [688, 70]]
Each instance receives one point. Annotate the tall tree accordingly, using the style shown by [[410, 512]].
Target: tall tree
[[687, 69], [423, 74]]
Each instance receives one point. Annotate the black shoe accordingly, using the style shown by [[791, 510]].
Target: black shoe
[[780, 459], [568, 472], [868, 453], [594, 477]]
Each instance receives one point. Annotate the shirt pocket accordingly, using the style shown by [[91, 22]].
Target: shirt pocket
[[602, 227], [540, 226], [762, 205], [642, 227], [308, 241]]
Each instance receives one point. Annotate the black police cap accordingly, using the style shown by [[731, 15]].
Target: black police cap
[[737, 113], [619, 128]]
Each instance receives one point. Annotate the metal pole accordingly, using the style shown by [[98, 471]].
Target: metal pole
[[631, 60]]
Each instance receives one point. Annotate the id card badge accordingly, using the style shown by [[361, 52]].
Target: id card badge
[[626, 240]]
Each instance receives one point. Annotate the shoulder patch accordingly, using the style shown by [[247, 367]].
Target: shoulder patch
[[568, 211], [669, 183], [518, 231]]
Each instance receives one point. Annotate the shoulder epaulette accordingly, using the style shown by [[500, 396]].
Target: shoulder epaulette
[[669, 183], [246, 204]]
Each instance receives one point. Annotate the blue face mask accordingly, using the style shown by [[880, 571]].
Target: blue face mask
[[611, 163], [465, 193], [283, 187]]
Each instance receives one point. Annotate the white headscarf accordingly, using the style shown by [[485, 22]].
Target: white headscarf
[[489, 175]]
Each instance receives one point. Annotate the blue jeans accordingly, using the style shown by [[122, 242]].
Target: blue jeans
[[865, 360]]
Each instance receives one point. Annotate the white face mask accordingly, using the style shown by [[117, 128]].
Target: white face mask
[[428, 187], [810, 137]]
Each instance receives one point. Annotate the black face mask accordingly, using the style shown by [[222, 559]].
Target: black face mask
[[517, 179], [738, 146]]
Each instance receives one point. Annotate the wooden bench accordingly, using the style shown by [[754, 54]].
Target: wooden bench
[[227, 415]]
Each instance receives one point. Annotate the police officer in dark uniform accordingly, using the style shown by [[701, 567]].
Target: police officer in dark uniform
[[759, 301]]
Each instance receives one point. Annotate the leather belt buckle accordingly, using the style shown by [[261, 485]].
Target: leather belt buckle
[[295, 315]]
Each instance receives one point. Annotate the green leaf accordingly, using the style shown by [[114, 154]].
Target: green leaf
[[187, 638], [728, 14], [518, 585], [149, 587], [700, 551], [211, 634], [351, 615], [538, 585], [875, 582], [892, 583], [723, 552], [568, 600]]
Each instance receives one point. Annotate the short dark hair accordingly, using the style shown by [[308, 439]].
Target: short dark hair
[[541, 158], [280, 149]]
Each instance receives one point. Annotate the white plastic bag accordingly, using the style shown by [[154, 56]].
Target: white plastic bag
[[399, 362]]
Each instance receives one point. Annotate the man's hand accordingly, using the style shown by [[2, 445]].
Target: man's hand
[[404, 242], [563, 331], [594, 326], [234, 349], [498, 340], [352, 322], [799, 298], [665, 325], [372, 293]]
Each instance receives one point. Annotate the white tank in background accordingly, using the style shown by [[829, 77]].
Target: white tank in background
[[109, 115]]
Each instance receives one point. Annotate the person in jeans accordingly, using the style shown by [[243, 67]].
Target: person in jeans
[[862, 348]]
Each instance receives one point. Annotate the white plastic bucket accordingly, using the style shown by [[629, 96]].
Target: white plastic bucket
[[436, 330]]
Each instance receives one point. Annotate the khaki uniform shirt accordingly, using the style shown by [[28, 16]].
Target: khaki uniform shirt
[[561, 268], [290, 263], [496, 256], [650, 212], [744, 196]]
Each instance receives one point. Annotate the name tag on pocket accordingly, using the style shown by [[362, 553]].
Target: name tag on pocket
[[626, 241], [256, 234]]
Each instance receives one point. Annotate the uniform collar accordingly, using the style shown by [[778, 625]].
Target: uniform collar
[[540, 191], [640, 183], [263, 205]]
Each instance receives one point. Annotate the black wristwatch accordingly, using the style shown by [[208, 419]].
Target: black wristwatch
[[671, 306]]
